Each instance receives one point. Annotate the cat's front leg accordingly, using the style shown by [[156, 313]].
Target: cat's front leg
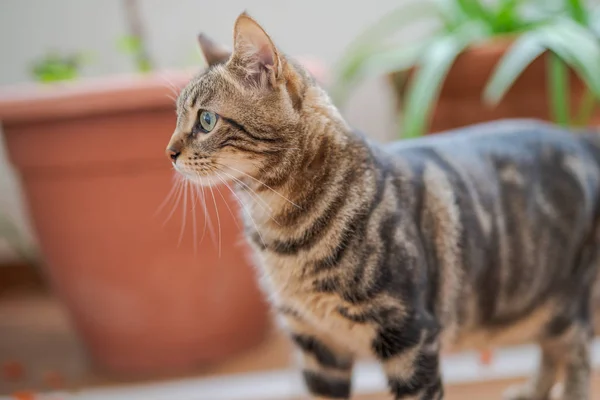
[[327, 372], [326, 367], [410, 359], [415, 375]]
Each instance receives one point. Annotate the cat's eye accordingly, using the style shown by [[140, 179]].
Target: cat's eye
[[206, 122]]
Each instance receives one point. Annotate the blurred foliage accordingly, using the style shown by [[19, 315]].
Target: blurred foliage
[[17, 242], [133, 46], [56, 67], [568, 29]]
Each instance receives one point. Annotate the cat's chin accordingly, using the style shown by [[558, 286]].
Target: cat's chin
[[206, 180]]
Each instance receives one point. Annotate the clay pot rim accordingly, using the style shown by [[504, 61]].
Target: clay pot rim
[[91, 96], [105, 95], [490, 47]]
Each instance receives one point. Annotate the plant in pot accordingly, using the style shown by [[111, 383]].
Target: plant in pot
[[482, 61], [90, 158]]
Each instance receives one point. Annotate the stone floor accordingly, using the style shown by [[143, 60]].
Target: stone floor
[[39, 352]]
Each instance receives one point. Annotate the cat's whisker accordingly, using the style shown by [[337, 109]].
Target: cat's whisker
[[184, 213], [200, 193], [264, 184], [252, 192], [225, 200], [180, 185], [247, 213], [171, 97], [255, 196], [194, 227], [174, 88], [207, 219], [218, 218], [176, 183], [200, 198]]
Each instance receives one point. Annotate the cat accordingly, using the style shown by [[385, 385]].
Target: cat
[[479, 236]]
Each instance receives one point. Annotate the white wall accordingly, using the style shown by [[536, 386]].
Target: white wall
[[321, 28]]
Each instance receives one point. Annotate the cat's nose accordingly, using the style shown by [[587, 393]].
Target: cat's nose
[[173, 153]]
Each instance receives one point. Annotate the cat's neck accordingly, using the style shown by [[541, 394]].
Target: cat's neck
[[326, 145]]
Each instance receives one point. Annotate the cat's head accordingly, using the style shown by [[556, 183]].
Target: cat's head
[[242, 114]]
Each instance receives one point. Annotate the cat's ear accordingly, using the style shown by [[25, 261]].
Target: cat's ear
[[213, 52], [254, 51]]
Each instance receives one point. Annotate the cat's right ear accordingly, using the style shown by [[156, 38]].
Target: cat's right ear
[[213, 52]]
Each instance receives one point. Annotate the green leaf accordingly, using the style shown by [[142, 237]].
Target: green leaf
[[586, 108], [452, 14], [434, 66], [350, 67], [559, 89], [573, 44], [473, 9], [394, 59], [508, 17], [379, 63], [577, 11], [578, 48], [129, 44], [55, 67], [522, 53]]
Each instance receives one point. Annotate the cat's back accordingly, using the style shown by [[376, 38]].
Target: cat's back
[[510, 138], [526, 193]]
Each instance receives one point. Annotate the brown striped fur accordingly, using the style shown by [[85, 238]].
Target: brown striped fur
[[486, 235]]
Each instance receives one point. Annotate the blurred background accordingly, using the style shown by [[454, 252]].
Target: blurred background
[[117, 283]]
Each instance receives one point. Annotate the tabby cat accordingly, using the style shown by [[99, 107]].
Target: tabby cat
[[486, 235]]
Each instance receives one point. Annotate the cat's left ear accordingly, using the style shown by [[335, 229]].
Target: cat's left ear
[[255, 52]]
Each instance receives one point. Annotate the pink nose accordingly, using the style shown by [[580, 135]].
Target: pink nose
[[173, 153]]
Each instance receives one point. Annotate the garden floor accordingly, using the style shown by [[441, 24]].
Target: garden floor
[[40, 353]]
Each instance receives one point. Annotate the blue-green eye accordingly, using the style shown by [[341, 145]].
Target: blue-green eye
[[207, 121]]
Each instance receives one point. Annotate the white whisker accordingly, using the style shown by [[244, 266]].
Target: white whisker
[[264, 184], [174, 88], [244, 207], [194, 227], [184, 213], [207, 219], [180, 185], [176, 182], [250, 189], [255, 196], [234, 215], [218, 219]]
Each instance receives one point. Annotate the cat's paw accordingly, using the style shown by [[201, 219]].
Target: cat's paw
[[518, 392], [525, 392]]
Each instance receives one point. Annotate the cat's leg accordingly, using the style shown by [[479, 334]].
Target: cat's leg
[[539, 387], [568, 351], [326, 366], [415, 376], [577, 364], [412, 369]]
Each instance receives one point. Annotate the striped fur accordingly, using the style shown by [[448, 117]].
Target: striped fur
[[477, 237]]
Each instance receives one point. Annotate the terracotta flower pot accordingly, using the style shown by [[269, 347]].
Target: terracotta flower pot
[[460, 102], [91, 160]]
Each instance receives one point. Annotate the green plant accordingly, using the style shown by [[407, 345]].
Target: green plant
[[134, 44], [56, 67], [568, 29]]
